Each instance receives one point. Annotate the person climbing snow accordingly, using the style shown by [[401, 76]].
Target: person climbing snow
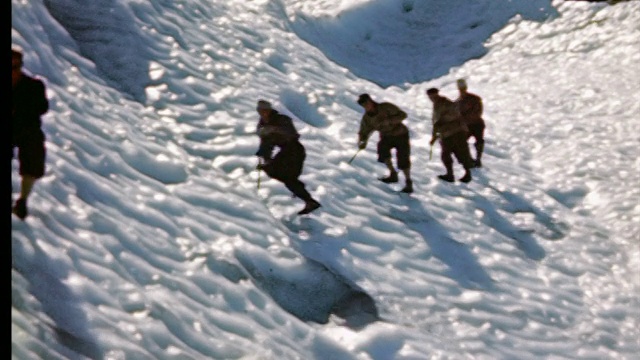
[[386, 118], [453, 134], [277, 130], [470, 107], [28, 103]]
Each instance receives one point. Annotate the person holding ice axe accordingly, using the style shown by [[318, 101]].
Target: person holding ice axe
[[277, 130], [452, 132], [386, 118]]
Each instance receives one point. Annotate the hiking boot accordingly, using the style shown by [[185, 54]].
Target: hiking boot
[[446, 177], [309, 207], [408, 188], [393, 178], [20, 209], [466, 178], [477, 163]]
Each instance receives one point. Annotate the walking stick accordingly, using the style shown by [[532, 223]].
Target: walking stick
[[259, 172], [354, 156]]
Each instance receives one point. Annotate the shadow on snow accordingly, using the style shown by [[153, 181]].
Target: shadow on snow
[[106, 33], [70, 324], [464, 266], [375, 36]]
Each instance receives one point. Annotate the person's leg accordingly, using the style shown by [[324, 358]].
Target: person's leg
[[280, 173], [26, 185], [384, 156], [20, 207], [32, 166], [403, 157], [13, 150], [408, 187], [407, 174], [390, 167], [298, 189], [460, 148], [476, 131], [287, 167], [479, 145], [447, 160]]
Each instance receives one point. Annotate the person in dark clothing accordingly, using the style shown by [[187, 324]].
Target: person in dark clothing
[[29, 102], [453, 134], [386, 118], [277, 130], [470, 106]]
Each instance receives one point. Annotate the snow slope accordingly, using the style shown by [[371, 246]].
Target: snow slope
[[148, 237]]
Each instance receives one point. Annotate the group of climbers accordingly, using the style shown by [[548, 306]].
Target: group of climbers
[[453, 122]]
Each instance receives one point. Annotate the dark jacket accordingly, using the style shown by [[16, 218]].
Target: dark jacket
[[470, 106], [29, 102], [278, 130], [387, 120], [446, 118]]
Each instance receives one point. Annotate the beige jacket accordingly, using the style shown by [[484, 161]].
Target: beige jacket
[[387, 120], [446, 118]]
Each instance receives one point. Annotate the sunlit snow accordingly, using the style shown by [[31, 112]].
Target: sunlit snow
[[148, 237]]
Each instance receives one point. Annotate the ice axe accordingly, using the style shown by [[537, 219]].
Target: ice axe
[[354, 156], [259, 172]]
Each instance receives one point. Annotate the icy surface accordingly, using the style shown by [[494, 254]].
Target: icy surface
[[148, 238]]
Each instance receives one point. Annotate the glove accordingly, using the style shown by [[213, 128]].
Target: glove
[[263, 164], [362, 145]]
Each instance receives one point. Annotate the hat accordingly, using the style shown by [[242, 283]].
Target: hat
[[462, 83], [16, 53], [432, 91], [363, 98], [263, 105]]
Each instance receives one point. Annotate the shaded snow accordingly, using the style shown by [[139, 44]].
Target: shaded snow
[[148, 238]]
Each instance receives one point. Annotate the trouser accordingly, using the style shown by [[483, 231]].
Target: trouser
[[31, 154], [457, 145], [476, 130], [286, 167], [402, 146]]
